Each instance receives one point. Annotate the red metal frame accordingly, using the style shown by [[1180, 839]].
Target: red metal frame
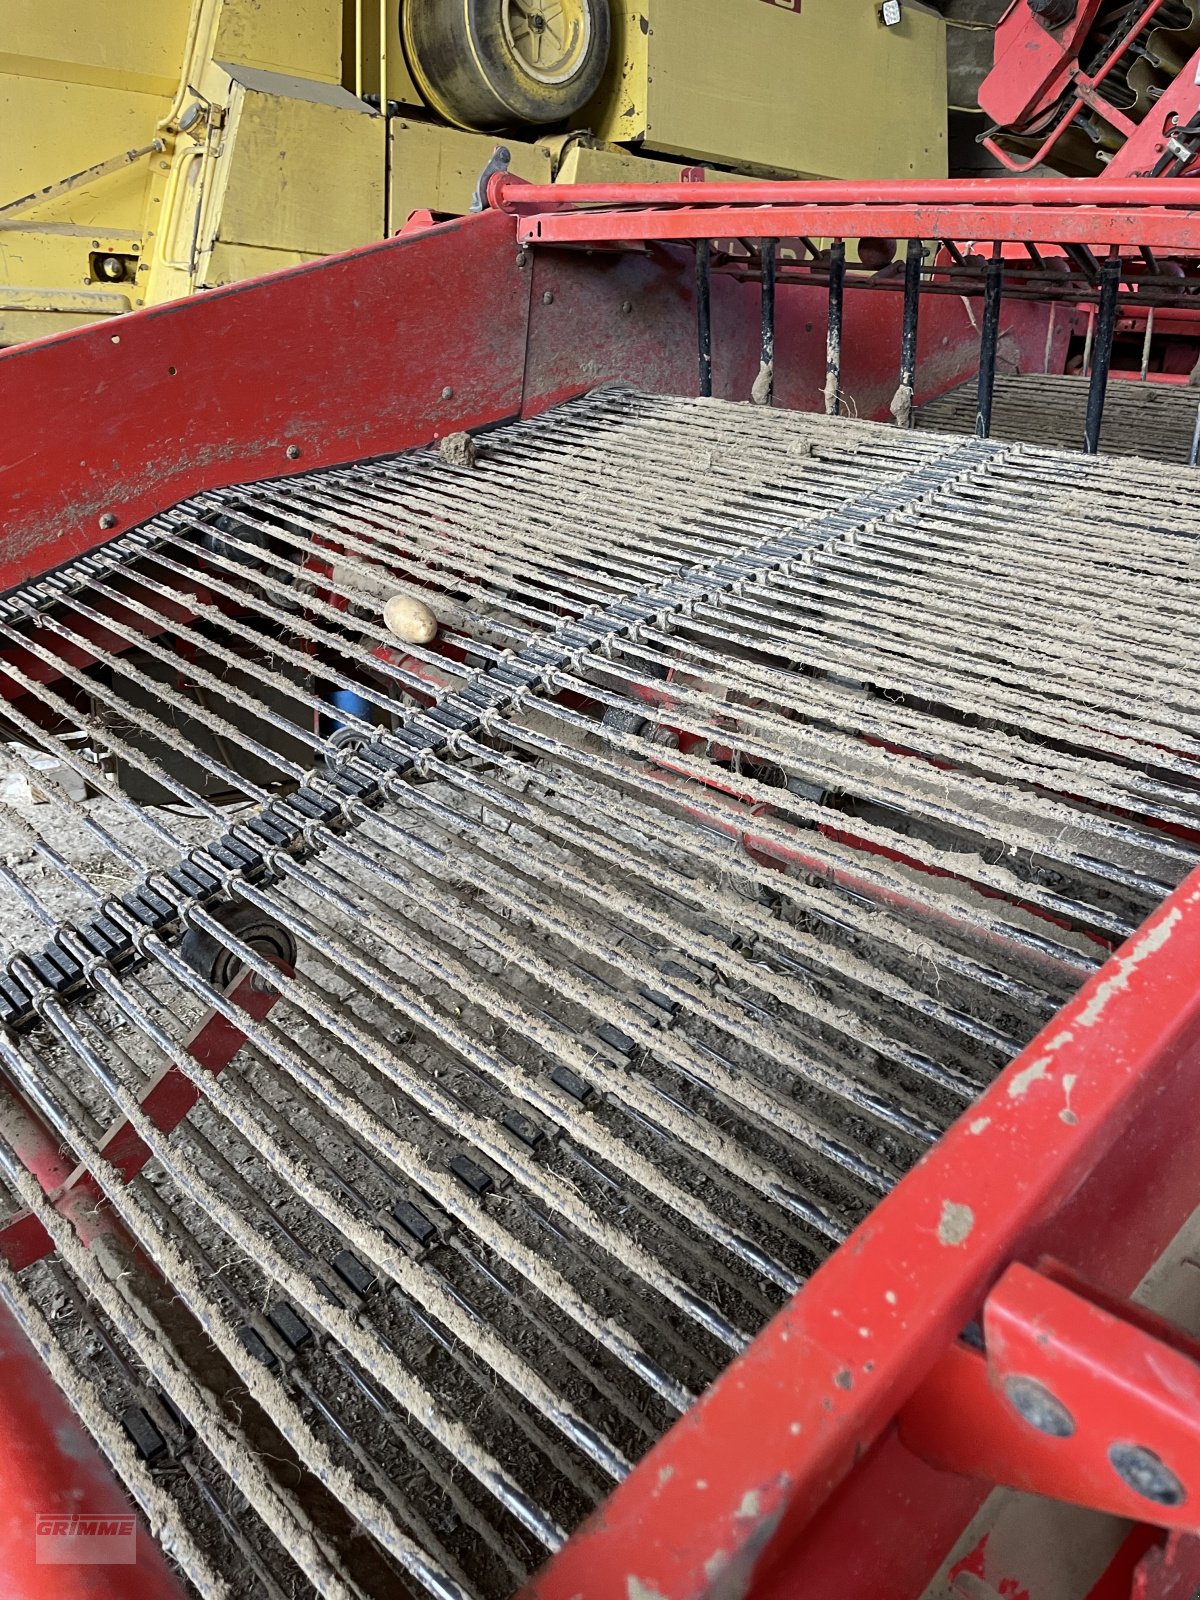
[[1036, 66], [793, 1476], [506, 192], [1123, 1377], [452, 325], [1047, 211]]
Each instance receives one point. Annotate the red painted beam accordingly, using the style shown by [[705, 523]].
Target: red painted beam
[[376, 350], [1098, 226], [512, 195]]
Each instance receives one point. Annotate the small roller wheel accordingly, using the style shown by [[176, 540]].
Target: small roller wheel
[[493, 64], [217, 964]]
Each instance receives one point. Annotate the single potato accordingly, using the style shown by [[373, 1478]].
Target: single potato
[[410, 620]]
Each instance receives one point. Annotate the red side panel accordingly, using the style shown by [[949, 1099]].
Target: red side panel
[[631, 316], [382, 348]]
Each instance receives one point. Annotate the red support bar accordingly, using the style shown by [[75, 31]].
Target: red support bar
[[51, 1476], [1078, 1398], [511, 194], [1100, 226]]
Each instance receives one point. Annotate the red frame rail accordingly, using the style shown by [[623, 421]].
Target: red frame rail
[[53, 1477], [1080, 211]]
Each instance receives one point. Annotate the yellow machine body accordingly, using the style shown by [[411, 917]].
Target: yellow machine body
[[787, 88], [151, 148]]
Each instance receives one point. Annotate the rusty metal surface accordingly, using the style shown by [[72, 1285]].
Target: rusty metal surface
[[651, 921]]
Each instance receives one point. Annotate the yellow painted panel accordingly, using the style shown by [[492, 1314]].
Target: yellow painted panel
[[35, 261], [378, 46], [18, 326], [824, 90], [585, 162], [124, 44], [302, 176], [437, 168], [89, 303], [299, 37], [620, 110], [65, 127], [231, 263]]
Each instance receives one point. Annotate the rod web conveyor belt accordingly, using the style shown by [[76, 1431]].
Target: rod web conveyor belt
[[1154, 420], [770, 782]]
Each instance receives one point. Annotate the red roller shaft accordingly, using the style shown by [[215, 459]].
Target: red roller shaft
[[50, 1469]]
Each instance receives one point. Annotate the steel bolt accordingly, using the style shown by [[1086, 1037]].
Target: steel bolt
[[447, 393], [1038, 1407], [626, 306], [293, 452], [108, 520], [548, 298], [1142, 1471]]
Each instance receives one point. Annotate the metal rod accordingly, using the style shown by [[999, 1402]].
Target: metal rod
[[993, 290], [1146, 342], [1106, 327], [833, 340], [1194, 453], [704, 313], [764, 389], [996, 193], [902, 405]]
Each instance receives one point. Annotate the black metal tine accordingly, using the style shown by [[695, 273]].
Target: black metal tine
[[1106, 327], [833, 342], [1084, 260], [764, 389], [902, 405], [704, 313], [993, 289], [954, 253]]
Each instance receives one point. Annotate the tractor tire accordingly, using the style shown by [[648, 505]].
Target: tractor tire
[[491, 65]]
